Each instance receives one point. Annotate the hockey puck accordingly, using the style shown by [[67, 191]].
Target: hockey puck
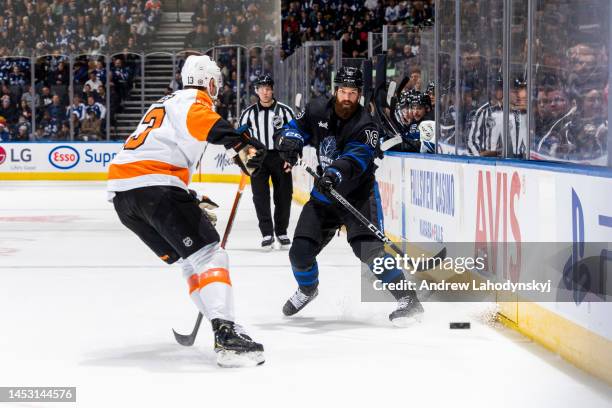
[[460, 325]]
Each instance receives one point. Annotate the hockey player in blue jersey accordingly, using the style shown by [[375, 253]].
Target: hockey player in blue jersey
[[346, 140]]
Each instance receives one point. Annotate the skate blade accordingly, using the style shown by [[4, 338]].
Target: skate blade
[[231, 359], [404, 322], [267, 248], [285, 247]]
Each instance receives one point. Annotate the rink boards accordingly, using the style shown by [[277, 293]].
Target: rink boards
[[448, 199], [90, 160]]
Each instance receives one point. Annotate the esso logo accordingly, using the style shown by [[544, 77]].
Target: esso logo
[[64, 157], [2, 155]]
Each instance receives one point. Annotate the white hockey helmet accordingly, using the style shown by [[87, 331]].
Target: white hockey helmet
[[199, 70]]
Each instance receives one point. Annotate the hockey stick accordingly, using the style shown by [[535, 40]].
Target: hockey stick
[[369, 225], [188, 339]]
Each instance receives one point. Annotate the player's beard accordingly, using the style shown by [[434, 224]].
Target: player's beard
[[345, 109]]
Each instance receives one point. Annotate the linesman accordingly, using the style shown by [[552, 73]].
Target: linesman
[[262, 119]]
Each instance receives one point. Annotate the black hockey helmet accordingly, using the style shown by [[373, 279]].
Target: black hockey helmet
[[349, 77], [421, 99], [519, 81], [264, 79], [407, 97]]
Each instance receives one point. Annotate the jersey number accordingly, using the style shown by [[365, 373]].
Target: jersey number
[[154, 118]]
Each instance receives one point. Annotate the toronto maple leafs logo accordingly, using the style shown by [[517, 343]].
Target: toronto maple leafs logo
[[328, 151]]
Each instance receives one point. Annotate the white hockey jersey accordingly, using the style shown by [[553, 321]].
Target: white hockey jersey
[[168, 142]]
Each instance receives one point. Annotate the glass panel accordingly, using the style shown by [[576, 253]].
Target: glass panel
[[481, 113], [256, 68], [226, 58], [517, 119], [16, 99], [570, 72], [446, 87], [321, 67], [125, 94], [52, 78]]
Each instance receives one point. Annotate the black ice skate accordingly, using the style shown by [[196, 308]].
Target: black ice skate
[[267, 243], [298, 301], [235, 348], [284, 241], [408, 311]]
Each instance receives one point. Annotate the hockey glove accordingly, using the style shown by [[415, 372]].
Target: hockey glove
[[330, 179], [289, 144], [249, 153], [207, 206]]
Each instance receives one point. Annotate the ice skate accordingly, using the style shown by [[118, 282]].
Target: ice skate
[[284, 241], [298, 301], [267, 243], [409, 310], [235, 348]]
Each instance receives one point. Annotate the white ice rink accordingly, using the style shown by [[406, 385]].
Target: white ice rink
[[84, 303]]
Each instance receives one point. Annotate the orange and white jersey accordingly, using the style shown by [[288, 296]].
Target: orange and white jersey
[[167, 144]]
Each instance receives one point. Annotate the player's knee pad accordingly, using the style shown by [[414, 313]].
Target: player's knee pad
[[187, 268], [372, 252], [366, 249], [302, 254]]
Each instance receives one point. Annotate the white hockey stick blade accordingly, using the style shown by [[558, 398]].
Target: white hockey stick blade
[[391, 92], [231, 359], [298, 100], [362, 100], [389, 143]]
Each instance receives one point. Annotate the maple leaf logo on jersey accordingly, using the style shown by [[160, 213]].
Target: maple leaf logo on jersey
[[328, 151]]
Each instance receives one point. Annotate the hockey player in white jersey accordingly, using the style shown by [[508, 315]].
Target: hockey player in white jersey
[[148, 181]]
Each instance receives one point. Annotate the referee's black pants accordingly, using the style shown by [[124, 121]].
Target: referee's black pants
[[283, 191]]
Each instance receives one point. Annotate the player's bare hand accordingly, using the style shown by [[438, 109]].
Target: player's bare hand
[[287, 167]]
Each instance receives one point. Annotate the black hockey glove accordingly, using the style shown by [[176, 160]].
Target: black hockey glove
[[330, 179], [289, 144], [250, 152]]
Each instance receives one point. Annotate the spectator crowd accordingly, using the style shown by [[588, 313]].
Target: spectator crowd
[[49, 32], [348, 20]]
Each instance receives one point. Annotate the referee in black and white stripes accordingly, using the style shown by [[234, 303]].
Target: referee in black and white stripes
[[262, 119]]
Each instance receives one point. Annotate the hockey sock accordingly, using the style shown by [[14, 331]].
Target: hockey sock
[[307, 279], [193, 281], [211, 282]]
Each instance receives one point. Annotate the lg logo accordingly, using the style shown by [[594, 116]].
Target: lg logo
[[17, 155]]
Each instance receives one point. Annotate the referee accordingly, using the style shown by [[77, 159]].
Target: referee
[[262, 119]]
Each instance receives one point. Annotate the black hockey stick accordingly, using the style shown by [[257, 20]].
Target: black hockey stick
[[369, 225], [187, 340]]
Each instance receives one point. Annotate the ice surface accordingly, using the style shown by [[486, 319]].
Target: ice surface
[[84, 303]]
